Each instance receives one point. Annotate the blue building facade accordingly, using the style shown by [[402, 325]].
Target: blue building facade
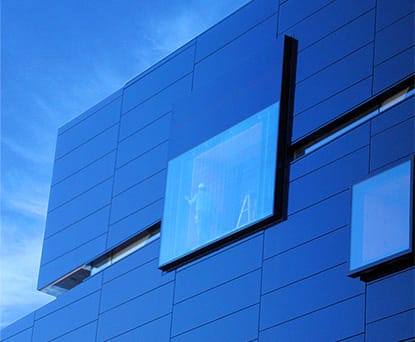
[[340, 75]]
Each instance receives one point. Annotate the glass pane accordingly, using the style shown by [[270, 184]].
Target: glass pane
[[221, 186], [381, 215]]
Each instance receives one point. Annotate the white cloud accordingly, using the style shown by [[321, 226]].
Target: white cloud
[[25, 194], [20, 259], [25, 187], [28, 153], [29, 206], [25, 191], [166, 35]]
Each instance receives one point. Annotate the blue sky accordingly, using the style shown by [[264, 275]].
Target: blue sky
[[58, 59]]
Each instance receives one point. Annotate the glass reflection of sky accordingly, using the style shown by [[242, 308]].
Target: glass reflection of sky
[[381, 216], [221, 186]]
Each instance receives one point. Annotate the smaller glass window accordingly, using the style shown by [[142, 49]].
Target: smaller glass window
[[381, 227]]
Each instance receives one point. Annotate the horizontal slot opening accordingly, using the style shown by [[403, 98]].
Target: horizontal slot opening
[[355, 118], [77, 276]]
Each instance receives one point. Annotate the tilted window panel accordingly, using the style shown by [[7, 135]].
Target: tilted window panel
[[220, 187]]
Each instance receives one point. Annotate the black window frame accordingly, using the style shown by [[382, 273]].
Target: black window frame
[[289, 64]]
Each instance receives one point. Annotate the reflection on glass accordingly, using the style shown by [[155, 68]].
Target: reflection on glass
[[124, 250], [388, 103], [341, 132], [397, 98], [381, 212], [221, 186]]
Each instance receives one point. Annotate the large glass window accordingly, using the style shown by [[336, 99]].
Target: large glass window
[[381, 227], [220, 187]]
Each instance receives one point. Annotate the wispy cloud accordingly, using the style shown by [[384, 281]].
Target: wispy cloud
[[25, 186], [29, 206], [29, 154], [25, 194], [19, 269], [63, 94], [166, 35]]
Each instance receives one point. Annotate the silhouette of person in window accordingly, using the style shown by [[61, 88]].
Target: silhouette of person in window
[[202, 204]]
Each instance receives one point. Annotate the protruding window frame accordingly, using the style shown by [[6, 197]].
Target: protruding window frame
[[400, 260], [289, 64]]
